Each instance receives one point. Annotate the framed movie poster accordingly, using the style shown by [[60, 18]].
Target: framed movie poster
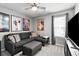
[[26, 24], [17, 23], [4, 22], [40, 25]]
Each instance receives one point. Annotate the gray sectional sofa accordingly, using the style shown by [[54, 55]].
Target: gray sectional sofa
[[14, 47]]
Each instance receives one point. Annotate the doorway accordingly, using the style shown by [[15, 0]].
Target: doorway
[[59, 27]]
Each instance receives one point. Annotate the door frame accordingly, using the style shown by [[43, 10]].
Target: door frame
[[52, 27]]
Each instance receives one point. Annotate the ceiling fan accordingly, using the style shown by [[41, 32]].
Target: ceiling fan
[[35, 7]]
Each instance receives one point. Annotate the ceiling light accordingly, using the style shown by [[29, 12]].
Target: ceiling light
[[34, 8]]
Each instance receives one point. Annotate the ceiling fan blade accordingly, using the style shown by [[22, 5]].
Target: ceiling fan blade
[[41, 7], [35, 4], [28, 8]]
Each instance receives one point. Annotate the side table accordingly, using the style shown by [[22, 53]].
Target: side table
[[46, 39]]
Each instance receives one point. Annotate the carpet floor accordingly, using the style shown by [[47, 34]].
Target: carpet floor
[[48, 50]]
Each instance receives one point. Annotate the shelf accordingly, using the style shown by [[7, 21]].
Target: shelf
[[72, 48]]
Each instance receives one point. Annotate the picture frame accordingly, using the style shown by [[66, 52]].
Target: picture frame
[[4, 22], [16, 23], [40, 25], [26, 24]]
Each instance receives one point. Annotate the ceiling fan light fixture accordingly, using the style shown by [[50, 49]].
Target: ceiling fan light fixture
[[34, 8]]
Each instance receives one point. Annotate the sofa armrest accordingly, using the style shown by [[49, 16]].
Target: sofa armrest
[[10, 46], [22, 42]]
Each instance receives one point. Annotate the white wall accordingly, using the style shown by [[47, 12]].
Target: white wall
[[11, 12], [47, 22], [76, 8]]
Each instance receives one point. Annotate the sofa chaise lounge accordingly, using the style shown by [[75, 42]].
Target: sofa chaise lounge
[[24, 38]]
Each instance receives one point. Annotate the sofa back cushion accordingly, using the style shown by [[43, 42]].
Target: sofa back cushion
[[11, 37], [17, 37], [25, 35], [34, 34]]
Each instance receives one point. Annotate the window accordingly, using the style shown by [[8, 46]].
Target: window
[[59, 26], [4, 22]]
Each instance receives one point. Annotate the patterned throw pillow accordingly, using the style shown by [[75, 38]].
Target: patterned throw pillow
[[17, 37], [12, 38]]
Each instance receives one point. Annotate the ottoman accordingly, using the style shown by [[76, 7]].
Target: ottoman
[[31, 48]]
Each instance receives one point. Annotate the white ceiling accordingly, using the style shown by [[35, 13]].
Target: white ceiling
[[50, 7]]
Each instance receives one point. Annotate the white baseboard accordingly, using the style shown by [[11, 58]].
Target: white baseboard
[[60, 45]]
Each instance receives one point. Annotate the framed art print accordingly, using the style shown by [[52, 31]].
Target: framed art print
[[26, 24], [4, 22], [40, 25], [17, 23]]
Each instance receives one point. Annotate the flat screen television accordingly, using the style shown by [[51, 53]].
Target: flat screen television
[[73, 29]]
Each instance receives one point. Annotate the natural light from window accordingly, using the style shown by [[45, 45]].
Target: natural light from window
[[59, 26]]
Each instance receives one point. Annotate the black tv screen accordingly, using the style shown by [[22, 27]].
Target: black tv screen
[[73, 29]]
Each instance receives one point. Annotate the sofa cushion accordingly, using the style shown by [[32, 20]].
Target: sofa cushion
[[32, 45], [12, 38], [17, 37], [32, 48], [25, 35], [22, 42]]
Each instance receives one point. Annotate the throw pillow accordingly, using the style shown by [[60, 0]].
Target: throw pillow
[[17, 37], [12, 38], [34, 34]]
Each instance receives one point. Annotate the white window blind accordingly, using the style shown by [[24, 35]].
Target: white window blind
[[59, 26]]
